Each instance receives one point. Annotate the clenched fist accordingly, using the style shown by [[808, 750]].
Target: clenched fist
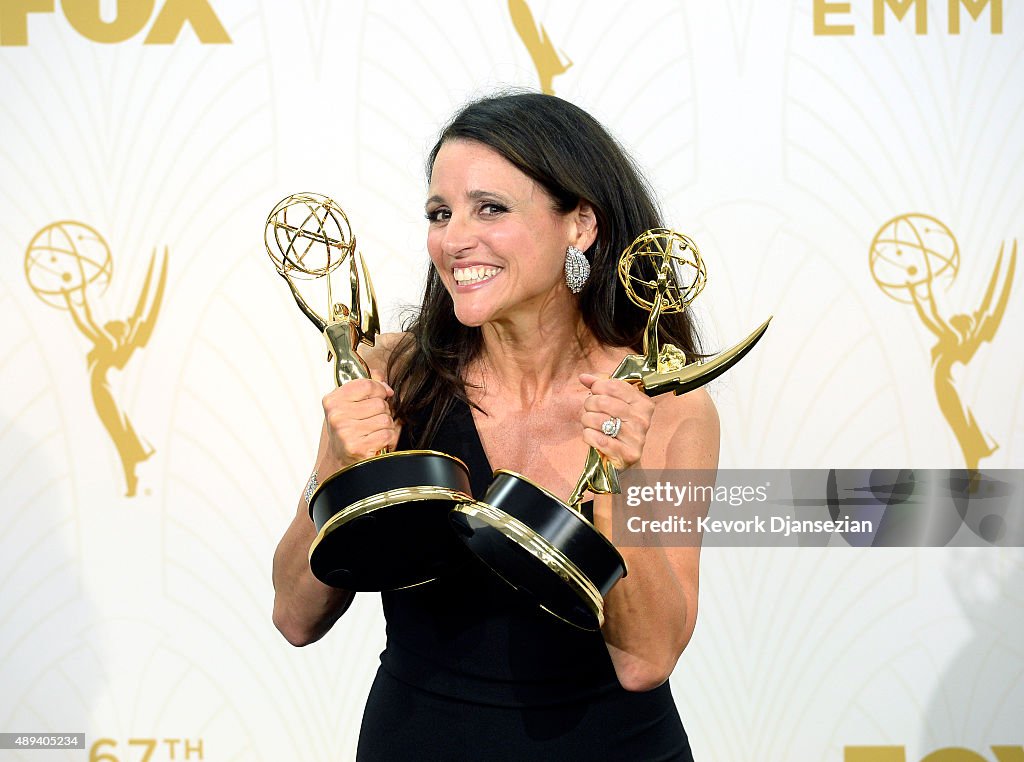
[[358, 421]]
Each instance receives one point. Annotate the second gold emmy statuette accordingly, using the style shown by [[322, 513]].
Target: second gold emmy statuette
[[546, 547], [382, 523]]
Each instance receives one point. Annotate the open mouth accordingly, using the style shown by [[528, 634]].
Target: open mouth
[[469, 276]]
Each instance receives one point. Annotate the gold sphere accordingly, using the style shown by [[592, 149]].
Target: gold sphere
[[643, 259], [65, 260], [308, 236], [909, 253]]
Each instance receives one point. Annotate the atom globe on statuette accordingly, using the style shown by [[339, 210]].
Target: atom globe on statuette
[[66, 260], [911, 253], [382, 523], [546, 548]]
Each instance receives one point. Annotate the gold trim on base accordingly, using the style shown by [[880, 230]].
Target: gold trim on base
[[537, 546], [568, 507], [388, 455]]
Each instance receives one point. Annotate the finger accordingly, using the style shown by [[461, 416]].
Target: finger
[[629, 429], [588, 379], [339, 412], [368, 408], [610, 448], [396, 430], [381, 422], [378, 440], [626, 446], [359, 389], [610, 407], [614, 387], [377, 375], [363, 439], [346, 423], [624, 451], [362, 388]]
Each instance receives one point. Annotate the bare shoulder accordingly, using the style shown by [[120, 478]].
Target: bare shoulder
[[379, 354], [385, 343], [684, 433]]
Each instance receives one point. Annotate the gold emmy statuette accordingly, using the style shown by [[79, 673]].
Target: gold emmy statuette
[[546, 547], [382, 522], [67, 264], [546, 60], [910, 254]]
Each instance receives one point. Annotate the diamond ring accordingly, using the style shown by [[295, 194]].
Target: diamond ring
[[611, 427]]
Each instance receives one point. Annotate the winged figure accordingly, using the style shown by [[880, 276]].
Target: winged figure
[[958, 338], [546, 59], [114, 343]]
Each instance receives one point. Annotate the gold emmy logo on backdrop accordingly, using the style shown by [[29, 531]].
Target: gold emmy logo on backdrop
[[947, 754], [546, 59], [68, 264], [824, 26], [910, 256], [130, 18]]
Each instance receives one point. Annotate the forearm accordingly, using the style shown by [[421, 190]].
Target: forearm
[[649, 613], [357, 423], [304, 608]]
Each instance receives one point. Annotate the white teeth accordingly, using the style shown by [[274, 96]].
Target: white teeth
[[466, 275]]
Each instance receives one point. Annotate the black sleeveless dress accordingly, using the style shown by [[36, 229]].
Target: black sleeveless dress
[[472, 672]]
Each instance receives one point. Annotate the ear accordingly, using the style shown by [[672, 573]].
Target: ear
[[584, 226]]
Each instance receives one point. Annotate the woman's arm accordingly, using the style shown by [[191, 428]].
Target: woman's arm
[[86, 330], [357, 424], [304, 607], [650, 613]]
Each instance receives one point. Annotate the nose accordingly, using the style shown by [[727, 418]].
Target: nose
[[459, 238]]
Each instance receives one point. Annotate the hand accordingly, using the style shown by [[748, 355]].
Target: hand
[[614, 398], [358, 421]]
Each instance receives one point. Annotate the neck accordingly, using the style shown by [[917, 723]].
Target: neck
[[534, 358]]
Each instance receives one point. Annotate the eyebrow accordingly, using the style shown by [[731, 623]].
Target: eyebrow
[[474, 195]]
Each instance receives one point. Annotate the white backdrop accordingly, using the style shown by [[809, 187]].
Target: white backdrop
[[781, 151]]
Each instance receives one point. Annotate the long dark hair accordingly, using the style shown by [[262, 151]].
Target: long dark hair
[[569, 154]]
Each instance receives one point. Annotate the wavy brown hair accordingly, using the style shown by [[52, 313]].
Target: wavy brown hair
[[569, 154]]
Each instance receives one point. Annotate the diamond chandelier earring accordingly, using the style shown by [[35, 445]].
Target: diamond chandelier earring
[[577, 269]]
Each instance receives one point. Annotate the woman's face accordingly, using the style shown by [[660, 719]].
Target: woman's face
[[495, 237]]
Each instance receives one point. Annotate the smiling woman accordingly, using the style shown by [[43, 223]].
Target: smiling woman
[[496, 239], [506, 367]]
